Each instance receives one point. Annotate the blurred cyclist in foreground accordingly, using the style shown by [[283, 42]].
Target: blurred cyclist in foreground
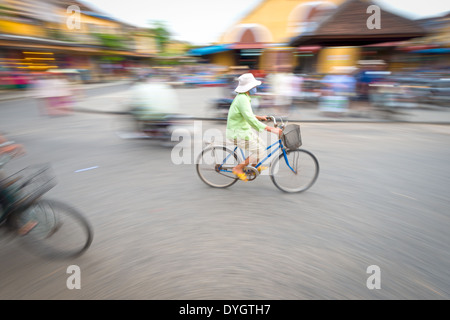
[[12, 149]]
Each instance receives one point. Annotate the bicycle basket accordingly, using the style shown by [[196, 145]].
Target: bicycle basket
[[29, 184], [291, 137]]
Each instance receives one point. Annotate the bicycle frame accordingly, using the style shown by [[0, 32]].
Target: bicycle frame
[[277, 145]]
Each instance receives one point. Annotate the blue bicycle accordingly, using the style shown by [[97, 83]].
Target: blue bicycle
[[293, 170]]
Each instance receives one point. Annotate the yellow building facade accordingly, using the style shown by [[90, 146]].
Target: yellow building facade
[[21, 28], [43, 35], [331, 57], [276, 21], [271, 24]]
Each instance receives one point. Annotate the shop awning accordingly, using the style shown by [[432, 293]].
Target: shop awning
[[26, 42], [308, 48], [210, 50], [433, 50], [240, 46], [386, 44]]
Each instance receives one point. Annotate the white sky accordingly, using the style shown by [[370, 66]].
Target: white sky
[[202, 22]]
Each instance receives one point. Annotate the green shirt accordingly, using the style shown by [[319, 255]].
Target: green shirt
[[241, 118]]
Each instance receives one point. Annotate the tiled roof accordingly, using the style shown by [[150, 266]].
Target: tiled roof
[[348, 26]]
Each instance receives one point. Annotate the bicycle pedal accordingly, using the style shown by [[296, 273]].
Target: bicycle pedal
[[251, 173], [11, 182]]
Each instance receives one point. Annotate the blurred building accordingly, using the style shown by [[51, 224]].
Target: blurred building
[[310, 36], [259, 40], [38, 35], [431, 52], [346, 37]]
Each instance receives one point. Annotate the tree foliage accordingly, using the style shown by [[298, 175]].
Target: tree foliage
[[161, 33]]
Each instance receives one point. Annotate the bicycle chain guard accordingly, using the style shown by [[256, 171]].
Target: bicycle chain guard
[[251, 173]]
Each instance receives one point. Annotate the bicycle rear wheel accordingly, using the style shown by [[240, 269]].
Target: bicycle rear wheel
[[214, 166], [53, 229], [295, 173]]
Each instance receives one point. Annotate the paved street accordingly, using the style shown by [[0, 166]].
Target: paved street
[[160, 233]]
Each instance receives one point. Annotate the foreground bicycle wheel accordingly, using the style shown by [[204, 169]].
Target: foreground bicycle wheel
[[211, 166], [53, 229], [304, 173]]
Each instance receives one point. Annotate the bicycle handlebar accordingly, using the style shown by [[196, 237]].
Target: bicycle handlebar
[[275, 124], [271, 118]]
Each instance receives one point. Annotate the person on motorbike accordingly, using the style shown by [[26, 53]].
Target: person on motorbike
[[152, 103]]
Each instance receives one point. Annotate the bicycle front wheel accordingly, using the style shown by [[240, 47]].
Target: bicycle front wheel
[[53, 229], [295, 172], [214, 166]]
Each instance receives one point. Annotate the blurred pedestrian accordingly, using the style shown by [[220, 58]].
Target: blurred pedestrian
[[42, 92], [62, 97], [338, 87], [290, 88], [279, 88], [54, 94], [241, 120], [297, 87]]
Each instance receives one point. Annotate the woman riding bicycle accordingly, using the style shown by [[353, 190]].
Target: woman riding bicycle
[[240, 122]]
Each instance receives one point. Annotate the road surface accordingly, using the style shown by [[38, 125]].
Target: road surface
[[381, 200]]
